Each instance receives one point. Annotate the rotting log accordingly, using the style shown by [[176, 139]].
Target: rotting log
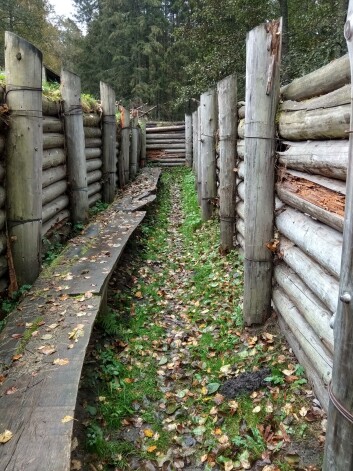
[[305, 335], [23, 68], [94, 164], [92, 120], [124, 161], [53, 141], [208, 107], [52, 124], [315, 312], [53, 158], [75, 145], [93, 177], [109, 142], [227, 129], [92, 132], [188, 140], [337, 186], [53, 191], [54, 174], [92, 142], [317, 240], [330, 77], [327, 158], [342, 96], [262, 96], [330, 123], [93, 153], [134, 147], [54, 207], [321, 283]]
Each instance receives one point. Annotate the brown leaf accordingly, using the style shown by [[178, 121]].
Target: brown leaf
[[6, 436], [76, 465], [47, 349], [17, 357], [16, 336], [11, 391]]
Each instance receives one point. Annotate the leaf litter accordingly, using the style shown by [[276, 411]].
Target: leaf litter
[[173, 380]]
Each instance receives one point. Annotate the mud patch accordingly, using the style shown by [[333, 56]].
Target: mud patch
[[245, 383]]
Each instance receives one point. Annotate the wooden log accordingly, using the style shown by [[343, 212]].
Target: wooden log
[[94, 164], [168, 160], [168, 164], [227, 125], [241, 170], [262, 96], [2, 144], [52, 192], [321, 283], [92, 132], [331, 100], [195, 129], [175, 151], [337, 186], [54, 174], [2, 219], [3, 244], [53, 141], [56, 220], [163, 146], [331, 123], [54, 207], [134, 147], [188, 140], [94, 188], [161, 129], [162, 143], [320, 242], [3, 267], [240, 227], [143, 145], [241, 112], [2, 172], [241, 128], [52, 124], [208, 106], [306, 337], [240, 209], [109, 142], [165, 137], [124, 161], [198, 169], [327, 158], [339, 450], [240, 240], [94, 198], [93, 177], [75, 144], [93, 143], [93, 153], [53, 158], [330, 77], [241, 189], [91, 120], [314, 311], [50, 107], [311, 372], [241, 149], [23, 68]]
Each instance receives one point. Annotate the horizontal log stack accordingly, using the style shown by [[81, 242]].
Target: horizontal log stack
[[165, 144], [93, 151]]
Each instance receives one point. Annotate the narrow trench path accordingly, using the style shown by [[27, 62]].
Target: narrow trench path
[[176, 382]]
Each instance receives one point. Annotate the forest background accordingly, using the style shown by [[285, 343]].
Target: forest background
[[164, 53]]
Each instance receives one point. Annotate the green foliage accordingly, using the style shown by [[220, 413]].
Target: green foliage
[[110, 322], [27, 335], [10, 303], [99, 207]]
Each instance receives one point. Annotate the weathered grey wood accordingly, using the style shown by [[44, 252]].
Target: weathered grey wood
[[124, 160], [3, 266], [2, 144], [330, 77], [319, 241], [92, 200], [134, 147], [241, 189], [50, 107], [319, 386], [315, 312], [327, 158], [180, 145], [54, 174], [241, 112], [163, 142], [188, 140], [53, 158], [338, 97], [93, 153], [330, 123], [241, 128], [339, 450], [2, 171], [109, 142], [320, 282], [53, 191], [54, 207], [93, 164], [195, 129], [23, 68], [160, 129], [240, 209], [198, 169], [92, 132], [240, 226], [52, 124], [93, 177], [2, 219], [332, 184], [262, 96], [292, 199], [92, 120], [168, 164], [165, 137], [53, 141], [306, 337], [94, 188], [208, 127], [241, 242], [75, 145], [91, 142], [227, 125], [241, 149], [57, 219], [2, 196], [241, 170]]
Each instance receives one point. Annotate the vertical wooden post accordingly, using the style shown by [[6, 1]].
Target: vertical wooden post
[[125, 144], [109, 141], [208, 106], [339, 449], [228, 121], [24, 146], [134, 145], [195, 129], [188, 140], [75, 145], [143, 143], [263, 54]]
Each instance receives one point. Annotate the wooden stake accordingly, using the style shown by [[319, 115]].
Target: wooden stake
[[262, 96], [188, 140], [207, 170], [109, 141], [195, 129], [134, 146], [339, 450], [23, 65], [227, 118], [198, 167], [125, 145], [75, 145]]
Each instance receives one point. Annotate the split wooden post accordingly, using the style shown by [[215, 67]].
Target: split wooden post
[[134, 145], [339, 450], [207, 170], [188, 140], [195, 129], [75, 145], [263, 54], [109, 141], [228, 123], [125, 145], [24, 146]]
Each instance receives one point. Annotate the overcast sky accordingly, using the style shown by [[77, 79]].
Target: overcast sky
[[63, 7]]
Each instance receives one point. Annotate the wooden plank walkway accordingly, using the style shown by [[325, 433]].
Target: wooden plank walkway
[[43, 345]]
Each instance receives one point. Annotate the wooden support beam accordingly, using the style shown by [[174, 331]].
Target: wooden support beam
[[262, 96], [188, 140], [75, 144], [134, 147], [124, 160], [23, 66], [109, 142], [339, 450], [195, 130], [227, 123]]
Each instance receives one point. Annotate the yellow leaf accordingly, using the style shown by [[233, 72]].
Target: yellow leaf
[[223, 440], [6, 436], [148, 433], [151, 449], [256, 409], [218, 431], [228, 466], [61, 361], [204, 390], [203, 458], [288, 372], [303, 411], [226, 369], [67, 419], [139, 295]]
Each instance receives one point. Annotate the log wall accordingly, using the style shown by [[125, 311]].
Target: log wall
[[3, 242], [165, 144]]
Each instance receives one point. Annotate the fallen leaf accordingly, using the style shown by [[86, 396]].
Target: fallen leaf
[[148, 433], [256, 409], [17, 357], [218, 399], [225, 369], [139, 295], [303, 411], [11, 391], [66, 419], [88, 295], [16, 336], [47, 350], [61, 361], [212, 388], [151, 449], [6, 436], [53, 326], [228, 466], [76, 465], [46, 337], [2, 379]]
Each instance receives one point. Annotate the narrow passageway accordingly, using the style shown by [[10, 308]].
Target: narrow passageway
[[172, 379]]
